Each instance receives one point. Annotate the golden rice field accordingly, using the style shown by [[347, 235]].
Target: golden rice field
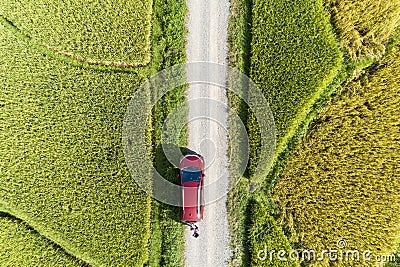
[[343, 178]]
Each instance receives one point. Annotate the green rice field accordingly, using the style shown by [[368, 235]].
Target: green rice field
[[62, 165], [116, 33], [25, 247], [294, 57]]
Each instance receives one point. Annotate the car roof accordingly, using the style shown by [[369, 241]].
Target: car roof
[[191, 201]]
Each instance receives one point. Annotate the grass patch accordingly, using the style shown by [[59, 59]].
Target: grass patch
[[116, 33], [294, 57], [239, 35], [167, 239], [364, 27], [342, 180], [237, 204], [266, 235]]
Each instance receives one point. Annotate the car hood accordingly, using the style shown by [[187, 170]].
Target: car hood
[[191, 161]]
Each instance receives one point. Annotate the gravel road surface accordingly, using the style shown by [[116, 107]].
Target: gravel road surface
[[207, 41]]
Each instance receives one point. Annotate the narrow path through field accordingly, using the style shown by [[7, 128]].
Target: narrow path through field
[[207, 41]]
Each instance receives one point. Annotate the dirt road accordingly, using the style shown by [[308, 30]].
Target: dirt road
[[207, 41]]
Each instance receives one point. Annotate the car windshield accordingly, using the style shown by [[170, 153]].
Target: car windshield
[[191, 174]]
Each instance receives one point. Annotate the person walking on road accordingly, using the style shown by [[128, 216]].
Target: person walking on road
[[196, 231], [193, 228]]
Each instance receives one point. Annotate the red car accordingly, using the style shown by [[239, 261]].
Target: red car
[[191, 176]]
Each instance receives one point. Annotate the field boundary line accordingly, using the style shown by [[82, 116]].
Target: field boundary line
[[20, 217], [70, 58], [34, 232]]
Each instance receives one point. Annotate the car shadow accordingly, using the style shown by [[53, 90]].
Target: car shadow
[[166, 162]]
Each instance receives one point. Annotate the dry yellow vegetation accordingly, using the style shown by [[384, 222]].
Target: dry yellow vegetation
[[364, 26], [343, 179]]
